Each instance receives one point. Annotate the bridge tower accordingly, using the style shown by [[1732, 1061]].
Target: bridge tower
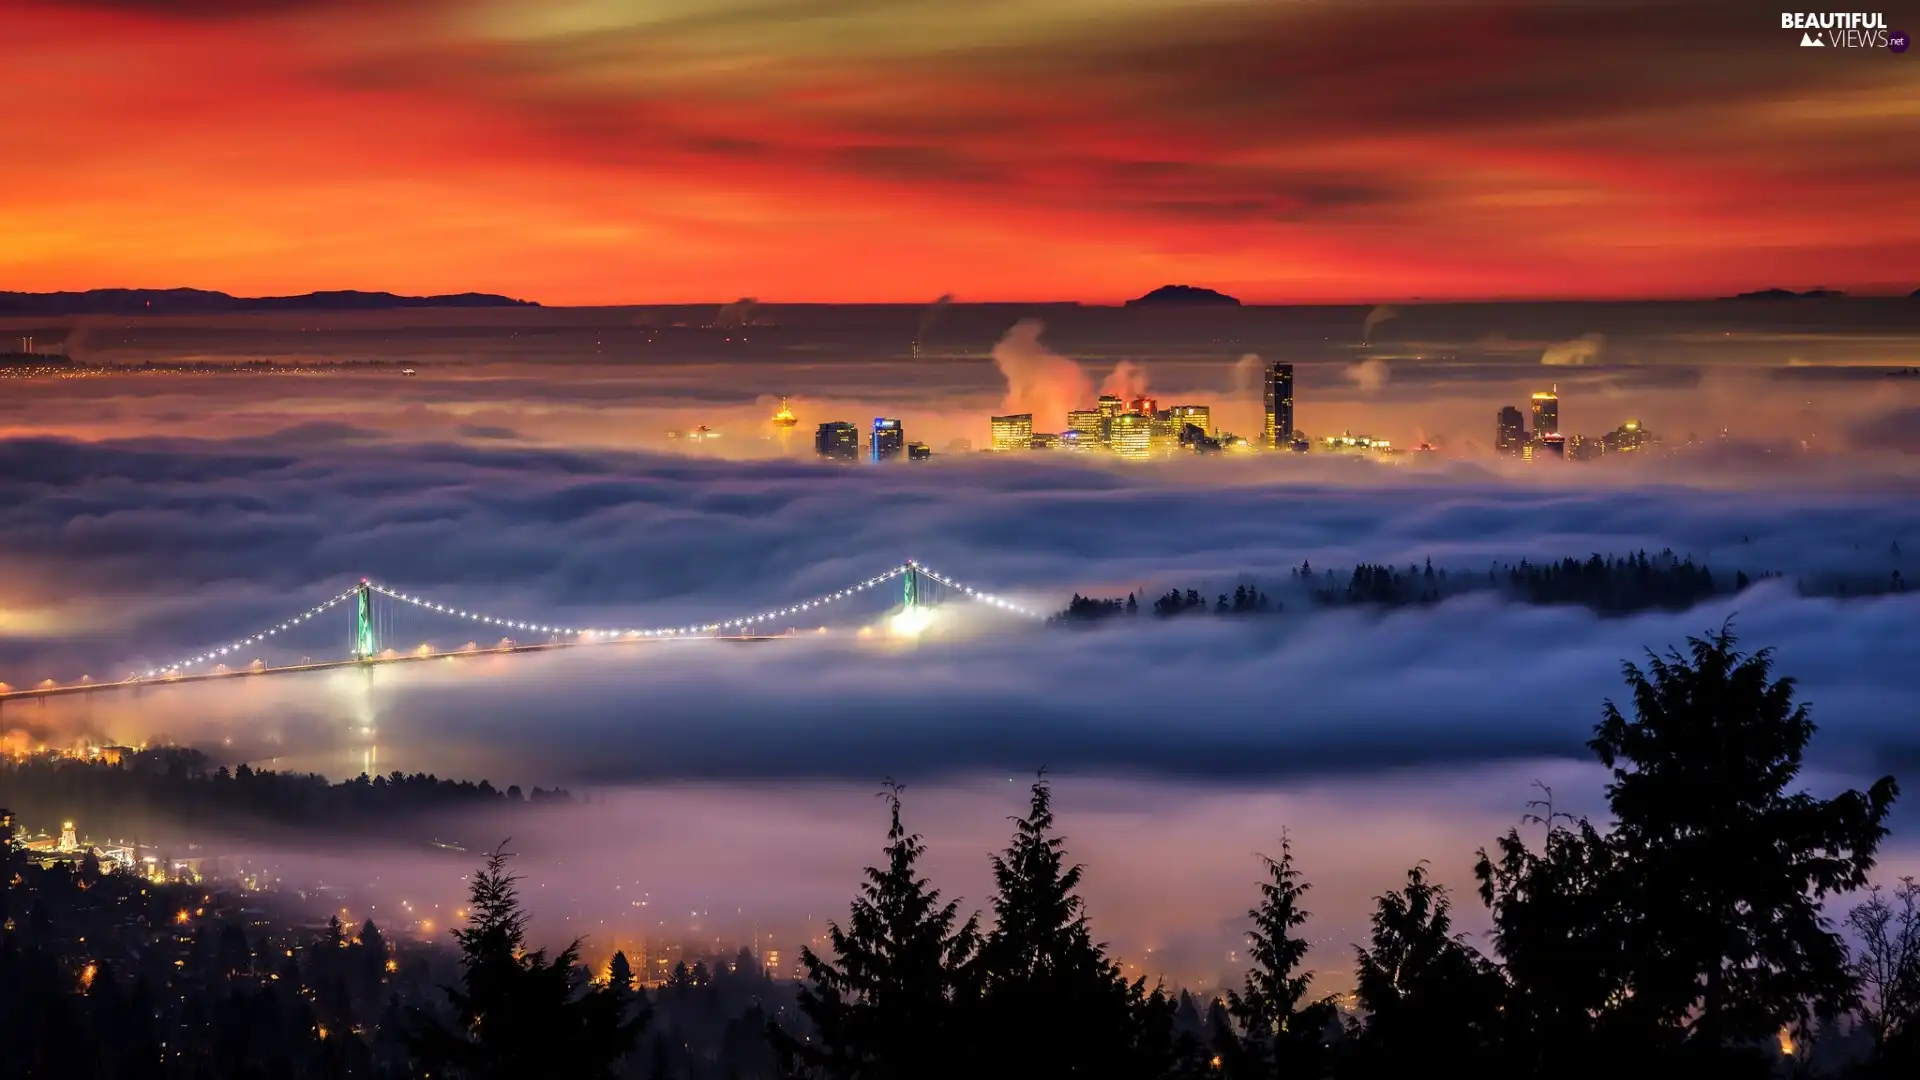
[[364, 645], [910, 591]]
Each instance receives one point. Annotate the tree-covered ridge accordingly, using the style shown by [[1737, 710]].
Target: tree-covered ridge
[[1607, 585], [158, 793]]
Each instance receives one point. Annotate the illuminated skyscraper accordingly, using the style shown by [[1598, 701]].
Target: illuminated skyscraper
[[1511, 435], [918, 451], [1626, 438], [1546, 412], [1165, 433], [837, 440], [1200, 416], [1111, 406], [1145, 406], [1131, 436], [888, 439], [1089, 423], [1553, 446], [1278, 433], [1014, 432]]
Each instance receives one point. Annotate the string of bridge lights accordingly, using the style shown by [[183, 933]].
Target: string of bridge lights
[[972, 593], [215, 654], [742, 623], [663, 631]]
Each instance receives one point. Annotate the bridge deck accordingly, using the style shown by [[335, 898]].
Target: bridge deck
[[377, 661]]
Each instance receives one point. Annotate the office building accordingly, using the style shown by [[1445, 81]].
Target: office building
[[918, 451], [837, 440], [1131, 436], [1553, 447], [1164, 433], [1044, 440], [1349, 443], [1626, 438], [1089, 423], [1014, 432], [1200, 416], [1080, 442], [1145, 406], [888, 439], [1546, 412], [1511, 434], [1111, 406], [1278, 433]]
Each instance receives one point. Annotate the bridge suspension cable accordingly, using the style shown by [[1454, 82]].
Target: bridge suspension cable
[[972, 593], [215, 654], [743, 622]]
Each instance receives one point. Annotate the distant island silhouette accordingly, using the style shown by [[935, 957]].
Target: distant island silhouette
[[1184, 296], [206, 302], [1787, 294]]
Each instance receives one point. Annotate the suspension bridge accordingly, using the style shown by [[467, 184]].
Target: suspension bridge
[[364, 601]]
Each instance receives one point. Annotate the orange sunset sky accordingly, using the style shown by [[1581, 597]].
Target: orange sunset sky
[[660, 151]]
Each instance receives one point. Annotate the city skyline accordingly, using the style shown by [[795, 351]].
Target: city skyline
[[771, 538]]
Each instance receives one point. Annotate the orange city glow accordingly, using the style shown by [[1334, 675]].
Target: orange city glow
[[583, 152]]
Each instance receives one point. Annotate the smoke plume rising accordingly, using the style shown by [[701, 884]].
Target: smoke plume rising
[[1574, 353], [1039, 380], [1369, 375], [1246, 376], [76, 344], [1378, 315], [1127, 381], [738, 313], [931, 316]]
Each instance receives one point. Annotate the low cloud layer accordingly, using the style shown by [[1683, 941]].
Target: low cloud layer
[[145, 520], [1581, 350], [138, 553]]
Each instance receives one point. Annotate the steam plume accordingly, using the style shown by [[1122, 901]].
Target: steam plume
[[1246, 377], [1039, 380], [1127, 381], [76, 344], [738, 313], [1374, 318], [1369, 375], [1574, 353], [931, 316]]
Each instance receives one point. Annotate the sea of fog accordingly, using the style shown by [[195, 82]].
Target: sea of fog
[[526, 471]]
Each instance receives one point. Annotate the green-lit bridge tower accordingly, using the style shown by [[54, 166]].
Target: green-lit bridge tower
[[910, 591], [364, 645]]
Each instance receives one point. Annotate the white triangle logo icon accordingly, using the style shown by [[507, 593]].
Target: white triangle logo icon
[[1809, 41]]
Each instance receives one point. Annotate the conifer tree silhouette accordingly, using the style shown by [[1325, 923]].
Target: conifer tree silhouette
[[1053, 1004], [889, 1003], [517, 1013], [1282, 1033]]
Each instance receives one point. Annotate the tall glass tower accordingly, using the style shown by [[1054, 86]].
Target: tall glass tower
[[1278, 433], [889, 439], [1546, 412]]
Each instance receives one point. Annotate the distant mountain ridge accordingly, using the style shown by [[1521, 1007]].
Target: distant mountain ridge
[[206, 302], [1184, 296], [1787, 294]]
